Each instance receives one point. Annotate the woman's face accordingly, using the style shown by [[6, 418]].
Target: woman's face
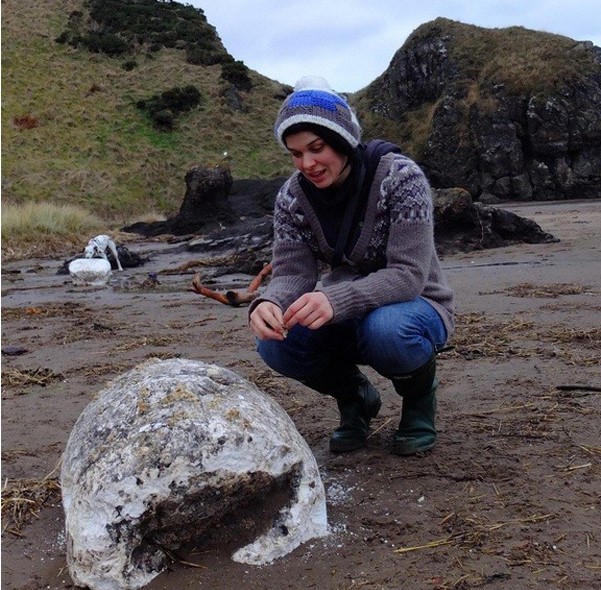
[[317, 161]]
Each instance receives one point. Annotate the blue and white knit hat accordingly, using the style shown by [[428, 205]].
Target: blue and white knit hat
[[313, 102]]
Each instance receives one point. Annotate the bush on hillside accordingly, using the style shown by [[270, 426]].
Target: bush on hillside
[[117, 26], [129, 65], [63, 37], [163, 119], [165, 107], [236, 73], [199, 56], [108, 43]]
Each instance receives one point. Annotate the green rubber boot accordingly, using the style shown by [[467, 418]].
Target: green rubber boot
[[357, 408], [417, 431], [358, 402]]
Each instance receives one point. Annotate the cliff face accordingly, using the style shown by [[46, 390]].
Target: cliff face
[[513, 114]]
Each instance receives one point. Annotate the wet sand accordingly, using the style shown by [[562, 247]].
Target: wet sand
[[508, 498]]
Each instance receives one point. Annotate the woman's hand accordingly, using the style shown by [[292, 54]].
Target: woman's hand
[[266, 321], [311, 310]]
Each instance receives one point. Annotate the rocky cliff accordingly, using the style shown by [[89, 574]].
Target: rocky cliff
[[512, 114]]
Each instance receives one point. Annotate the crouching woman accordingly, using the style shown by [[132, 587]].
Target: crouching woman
[[364, 212]]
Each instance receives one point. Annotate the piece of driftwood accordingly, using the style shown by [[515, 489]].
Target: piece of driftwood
[[235, 298], [578, 388]]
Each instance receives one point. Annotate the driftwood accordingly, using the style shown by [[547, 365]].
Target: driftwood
[[232, 297], [578, 388]]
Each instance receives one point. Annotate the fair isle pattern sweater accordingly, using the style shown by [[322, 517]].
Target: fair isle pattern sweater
[[393, 259]]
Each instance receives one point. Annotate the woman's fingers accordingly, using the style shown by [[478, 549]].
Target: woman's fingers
[[266, 321], [311, 310]]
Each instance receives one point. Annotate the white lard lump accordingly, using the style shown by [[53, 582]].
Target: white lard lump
[[169, 450], [90, 271]]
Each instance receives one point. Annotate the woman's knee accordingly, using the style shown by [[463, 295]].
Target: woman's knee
[[387, 326], [273, 355], [294, 357], [395, 338]]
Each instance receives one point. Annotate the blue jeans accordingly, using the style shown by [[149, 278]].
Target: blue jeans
[[394, 340]]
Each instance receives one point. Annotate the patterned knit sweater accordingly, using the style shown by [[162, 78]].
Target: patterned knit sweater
[[393, 259]]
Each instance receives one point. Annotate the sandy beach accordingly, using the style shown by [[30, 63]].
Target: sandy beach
[[510, 497]]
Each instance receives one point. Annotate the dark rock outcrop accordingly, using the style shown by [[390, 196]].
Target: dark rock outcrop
[[205, 205], [514, 114], [213, 201], [228, 221], [240, 239], [462, 225]]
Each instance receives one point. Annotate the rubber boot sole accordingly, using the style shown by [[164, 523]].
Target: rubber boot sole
[[411, 446]]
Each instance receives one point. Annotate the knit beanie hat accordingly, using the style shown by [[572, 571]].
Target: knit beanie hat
[[314, 105]]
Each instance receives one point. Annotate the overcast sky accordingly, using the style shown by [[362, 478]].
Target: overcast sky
[[351, 42]]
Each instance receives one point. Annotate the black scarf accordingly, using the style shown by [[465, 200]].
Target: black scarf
[[330, 204], [341, 209]]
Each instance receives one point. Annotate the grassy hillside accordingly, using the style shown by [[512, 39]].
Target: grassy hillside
[[71, 132]]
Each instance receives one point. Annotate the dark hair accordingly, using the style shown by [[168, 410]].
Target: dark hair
[[332, 138]]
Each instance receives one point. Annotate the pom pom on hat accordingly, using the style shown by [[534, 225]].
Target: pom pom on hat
[[313, 83], [314, 103]]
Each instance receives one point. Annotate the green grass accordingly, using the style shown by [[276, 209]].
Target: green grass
[[92, 147]]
